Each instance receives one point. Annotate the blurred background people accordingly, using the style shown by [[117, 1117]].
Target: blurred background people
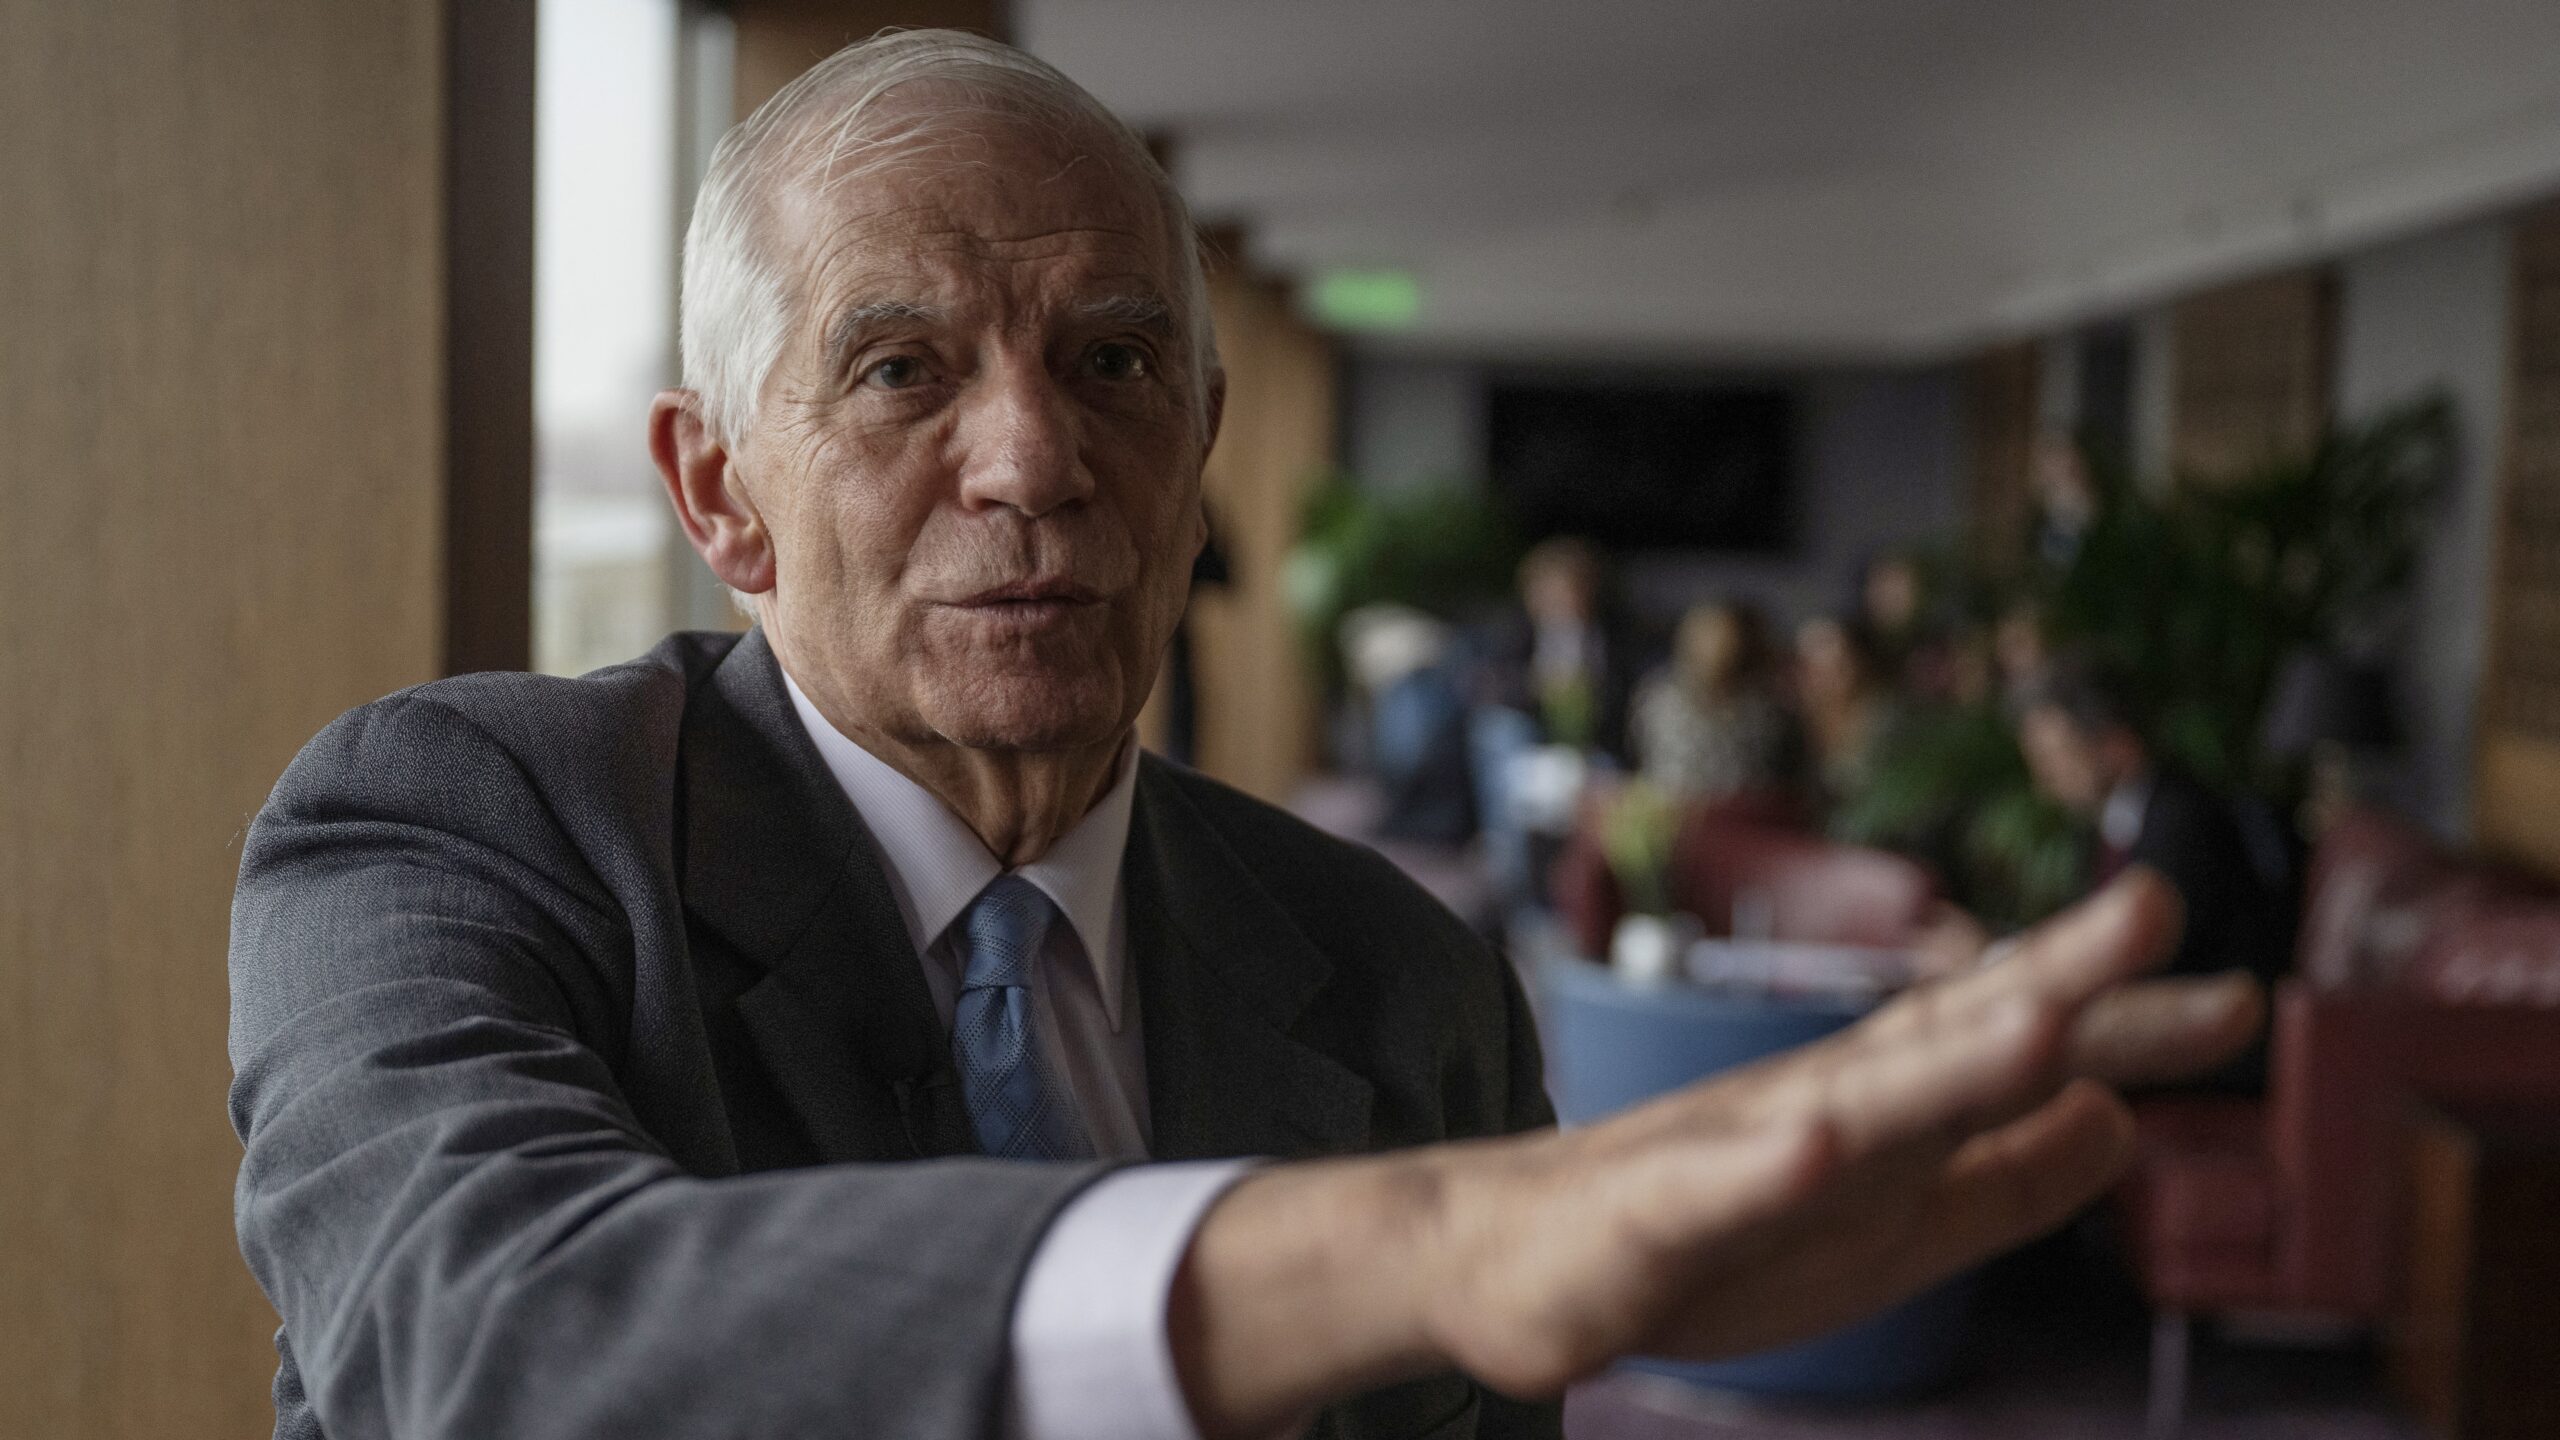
[[2019, 650], [1892, 599], [1920, 643], [2066, 500], [1710, 725], [1567, 658], [1552, 695], [1402, 661], [2085, 746], [1848, 705]]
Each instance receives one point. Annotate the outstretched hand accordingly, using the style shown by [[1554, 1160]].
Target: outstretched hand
[[1749, 1210], [1784, 1199]]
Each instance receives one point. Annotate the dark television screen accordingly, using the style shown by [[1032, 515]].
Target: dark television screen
[[1647, 466]]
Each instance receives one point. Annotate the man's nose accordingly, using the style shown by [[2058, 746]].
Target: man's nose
[[1022, 443]]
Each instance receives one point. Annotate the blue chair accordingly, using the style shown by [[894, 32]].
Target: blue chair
[[1612, 1043]]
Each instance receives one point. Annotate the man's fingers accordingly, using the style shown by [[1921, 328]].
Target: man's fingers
[[1924, 1140], [1939, 1081], [2123, 1034], [1975, 1055], [2009, 1185], [2118, 933], [2163, 1030], [1882, 1233]]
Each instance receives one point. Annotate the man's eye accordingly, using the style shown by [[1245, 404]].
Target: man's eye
[[897, 372], [1116, 362]]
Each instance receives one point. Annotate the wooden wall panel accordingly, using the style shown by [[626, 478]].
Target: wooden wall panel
[[2001, 403], [223, 321], [2250, 372], [488, 354], [1258, 720], [2516, 785]]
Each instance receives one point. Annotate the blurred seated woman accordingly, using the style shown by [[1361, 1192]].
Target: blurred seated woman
[[1848, 707], [1709, 726], [1892, 597]]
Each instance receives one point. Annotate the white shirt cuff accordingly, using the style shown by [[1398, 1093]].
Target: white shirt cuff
[[1091, 1358]]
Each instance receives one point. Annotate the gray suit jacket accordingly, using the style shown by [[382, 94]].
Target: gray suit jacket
[[590, 1086]]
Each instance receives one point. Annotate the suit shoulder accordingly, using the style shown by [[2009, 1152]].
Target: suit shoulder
[[551, 726], [532, 714], [2184, 811], [522, 761]]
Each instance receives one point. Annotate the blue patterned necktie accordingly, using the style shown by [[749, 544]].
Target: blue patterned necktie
[[1020, 1110]]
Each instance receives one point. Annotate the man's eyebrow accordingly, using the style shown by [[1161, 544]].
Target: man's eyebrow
[[853, 322], [1139, 311]]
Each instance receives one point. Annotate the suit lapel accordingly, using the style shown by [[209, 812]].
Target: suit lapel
[[1224, 974], [778, 865]]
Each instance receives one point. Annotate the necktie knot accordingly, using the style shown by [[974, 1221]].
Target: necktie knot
[[1005, 926]]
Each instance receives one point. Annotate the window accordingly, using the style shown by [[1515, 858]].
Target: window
[[629, 94]]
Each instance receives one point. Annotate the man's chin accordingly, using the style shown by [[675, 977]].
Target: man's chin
[[1030, 717]]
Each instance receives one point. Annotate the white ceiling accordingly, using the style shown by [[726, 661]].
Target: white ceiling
[[1818, 178]]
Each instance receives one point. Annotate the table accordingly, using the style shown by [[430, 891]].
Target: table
[[2477, 1348]]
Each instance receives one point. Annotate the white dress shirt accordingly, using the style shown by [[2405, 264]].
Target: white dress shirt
[[1089, 1349], [2127, 806]]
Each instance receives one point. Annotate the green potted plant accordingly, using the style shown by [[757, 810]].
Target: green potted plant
[[1638, 824], [2197, 592], [1439, 546]]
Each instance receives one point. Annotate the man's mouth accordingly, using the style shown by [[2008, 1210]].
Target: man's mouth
[[1030, 601]]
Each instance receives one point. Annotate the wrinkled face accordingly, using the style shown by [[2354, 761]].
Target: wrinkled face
[[2065, 763], [979, 455]]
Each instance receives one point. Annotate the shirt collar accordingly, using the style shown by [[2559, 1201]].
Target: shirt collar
[[2120, 820], [937, 864]]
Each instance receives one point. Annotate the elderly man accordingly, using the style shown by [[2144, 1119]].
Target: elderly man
[[760, 1038]]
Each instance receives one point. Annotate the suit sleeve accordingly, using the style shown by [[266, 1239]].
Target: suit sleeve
[[1503, 1418], [1529, 1107], [2197, 848], [464, 1227]]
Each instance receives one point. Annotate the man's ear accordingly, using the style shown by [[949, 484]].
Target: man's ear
[[1216, 412], [709, 494]]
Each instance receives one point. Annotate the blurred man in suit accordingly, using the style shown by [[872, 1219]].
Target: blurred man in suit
[[2083, 741], [772, 1035], [2080, 731]]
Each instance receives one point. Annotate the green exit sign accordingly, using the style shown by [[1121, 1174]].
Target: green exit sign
[[1365, 299]]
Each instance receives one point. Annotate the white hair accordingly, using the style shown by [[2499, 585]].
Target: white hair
[[736, 303]]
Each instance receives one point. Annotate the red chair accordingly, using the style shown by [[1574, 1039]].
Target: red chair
[[1585, 891], [1790, 886], [1809, 889], [2379, 889], [2357, 920], [2292, 1204], [2500, 949]]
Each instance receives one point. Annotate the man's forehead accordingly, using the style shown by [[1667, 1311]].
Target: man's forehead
[[934, 263], [1000, 194]]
